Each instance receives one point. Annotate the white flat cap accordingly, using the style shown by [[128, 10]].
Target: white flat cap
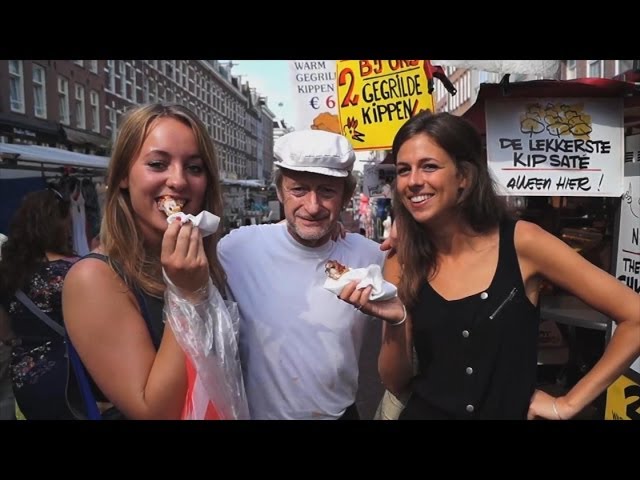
[[315, 151]]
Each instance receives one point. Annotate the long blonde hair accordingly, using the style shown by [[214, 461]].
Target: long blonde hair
[[120, 235]]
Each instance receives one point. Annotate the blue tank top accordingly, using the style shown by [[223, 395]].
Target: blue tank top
[[153, 318]]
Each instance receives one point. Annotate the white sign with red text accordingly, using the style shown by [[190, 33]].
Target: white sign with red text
[[313, 88], [556, 146]]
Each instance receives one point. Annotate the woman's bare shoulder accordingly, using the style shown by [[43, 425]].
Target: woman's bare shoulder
[[89, 269], [527, 234], [93, 286], [89, 278]]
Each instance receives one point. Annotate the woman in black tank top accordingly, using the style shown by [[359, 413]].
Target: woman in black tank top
[[468, 279], [113, 301]]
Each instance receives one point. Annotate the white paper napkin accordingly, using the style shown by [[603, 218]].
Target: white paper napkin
[[371, 275], [207, 222]]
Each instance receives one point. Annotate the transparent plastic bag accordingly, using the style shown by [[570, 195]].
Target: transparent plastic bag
[[208, 334]]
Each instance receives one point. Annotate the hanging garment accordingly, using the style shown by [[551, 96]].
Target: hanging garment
[[78, 218], [101, 192], [91, 207], [386, 227]]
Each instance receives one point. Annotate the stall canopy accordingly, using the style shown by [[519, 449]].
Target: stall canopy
[[582, 87], [81, 137], [50, 155], [249, 183]]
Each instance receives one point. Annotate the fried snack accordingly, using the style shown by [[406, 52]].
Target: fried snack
[[170, 205], [335, 269], [326, 121]]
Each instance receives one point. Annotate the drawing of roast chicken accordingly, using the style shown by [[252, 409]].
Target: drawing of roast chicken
[[326, 121], [335, 269], [170, 205]]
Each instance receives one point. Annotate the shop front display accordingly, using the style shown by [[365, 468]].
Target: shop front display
[[247, 202], [557, 150]]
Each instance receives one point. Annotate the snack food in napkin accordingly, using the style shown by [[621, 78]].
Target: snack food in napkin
[[207, 222], [371, 275]]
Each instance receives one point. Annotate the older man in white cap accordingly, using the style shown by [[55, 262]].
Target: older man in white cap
[[299, 343]]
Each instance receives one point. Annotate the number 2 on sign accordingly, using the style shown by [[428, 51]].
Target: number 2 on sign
[[349, 98]]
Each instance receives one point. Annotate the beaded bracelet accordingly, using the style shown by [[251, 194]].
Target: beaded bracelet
[[404, 317]]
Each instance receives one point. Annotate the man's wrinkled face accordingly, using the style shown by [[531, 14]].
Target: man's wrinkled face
[[312, 205]]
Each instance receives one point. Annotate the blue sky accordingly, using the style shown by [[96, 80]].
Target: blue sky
[[271, 79]]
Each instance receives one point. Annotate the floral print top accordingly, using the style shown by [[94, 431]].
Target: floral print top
[[31, 353]]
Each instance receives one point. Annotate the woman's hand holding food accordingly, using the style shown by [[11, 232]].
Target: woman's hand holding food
[[183, 258], [391, 311]]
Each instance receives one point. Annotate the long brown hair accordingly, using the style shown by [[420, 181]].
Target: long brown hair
[[40, 225], [120, 235], [478, 205]]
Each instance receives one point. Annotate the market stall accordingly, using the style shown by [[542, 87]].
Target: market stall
[[26, 168], [248, 202], [562, 152]]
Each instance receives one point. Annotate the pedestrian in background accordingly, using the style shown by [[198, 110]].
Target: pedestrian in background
[[36, 259]]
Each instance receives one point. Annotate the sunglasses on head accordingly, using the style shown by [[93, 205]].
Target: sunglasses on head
[[56, 192], [63, 204]]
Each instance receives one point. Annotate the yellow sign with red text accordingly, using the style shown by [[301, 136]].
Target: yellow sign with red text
[[376, 97]]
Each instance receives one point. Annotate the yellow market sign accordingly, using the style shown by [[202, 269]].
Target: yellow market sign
[[376, 97], [623, 398]]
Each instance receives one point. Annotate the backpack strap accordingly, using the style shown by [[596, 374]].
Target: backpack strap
[[85, 389], [89, 400], [33, 308], [82, 384]]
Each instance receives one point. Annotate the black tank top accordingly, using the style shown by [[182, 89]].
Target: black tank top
[[477, 356]]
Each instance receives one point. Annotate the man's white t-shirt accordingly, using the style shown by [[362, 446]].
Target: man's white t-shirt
[[299, 343]]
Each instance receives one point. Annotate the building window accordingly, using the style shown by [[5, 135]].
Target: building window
[[16, 86], [111, 76], [113, 122], [94, 99], [169, 70], [63, 100], [93, 66], [571, 70], [123, 79], [129, 87], [39, 92], [623, 66], [145, 90], [153, 87], [81, 121], [595, 68], [179, 74]]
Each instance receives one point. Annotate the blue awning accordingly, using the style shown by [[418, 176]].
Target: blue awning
[[50, 155]]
